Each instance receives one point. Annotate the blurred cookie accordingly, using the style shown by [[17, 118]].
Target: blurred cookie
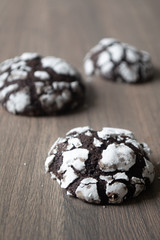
[[102, 167], [118, 61], [35, 85]]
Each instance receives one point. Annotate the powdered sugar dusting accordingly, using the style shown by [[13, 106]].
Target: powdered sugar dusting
[[17, 75], [8, 90], [117, 156], [107, 41], [6, 65], [117, 52], [89, 67], [96, 142], [3, 78], [87, 190], [139, 185], [74, 142], [28, 56], [75, 158], [41, 75], [103, 58], [68, 177], [58, 65], [64, 68], [116, 192], [88, 133], [111, 132], [129, 73], [107, 179], [132, 56], [79, 130], [18, 101], [120, 175]]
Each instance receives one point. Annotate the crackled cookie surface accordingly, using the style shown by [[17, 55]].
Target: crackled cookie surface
[[102, 167], [35, 85], [118, 61]]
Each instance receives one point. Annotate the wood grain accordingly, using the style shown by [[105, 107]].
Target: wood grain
[[32, 206]]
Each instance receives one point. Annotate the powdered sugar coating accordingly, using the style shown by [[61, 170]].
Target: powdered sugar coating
[[41, 75], [89, 67], [53, 86], [106, 41], [17, 102], [117, 157], [131, 55], [87, 190], [139, 185], [58, 65], [121, 175], [3, 78], [29, 56], [96, 142], [104, 58], [118, 61], [68, 177], [78, 130], [107, 69], [88, 133], [75, 158], [117, 52], [7, 90], [116, 192], [102, 167], [74, 142], [129, 73], [17, 74], [107, 132], [6, 65]]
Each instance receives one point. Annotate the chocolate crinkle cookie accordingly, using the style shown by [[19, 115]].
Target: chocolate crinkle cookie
[[118, 61], [102, 167], [36, 85]]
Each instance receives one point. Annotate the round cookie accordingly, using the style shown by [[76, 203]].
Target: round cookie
[[102, 167], [35, 85], [118, 61]]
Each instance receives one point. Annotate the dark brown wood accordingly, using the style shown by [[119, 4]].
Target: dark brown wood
[[32, 206]]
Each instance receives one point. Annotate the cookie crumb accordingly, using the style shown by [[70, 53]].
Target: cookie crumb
[[25, 164]]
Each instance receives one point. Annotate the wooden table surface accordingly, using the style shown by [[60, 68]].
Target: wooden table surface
[[32, 206]]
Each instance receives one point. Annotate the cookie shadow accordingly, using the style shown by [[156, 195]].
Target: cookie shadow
[[156, 76], [152, 192]]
